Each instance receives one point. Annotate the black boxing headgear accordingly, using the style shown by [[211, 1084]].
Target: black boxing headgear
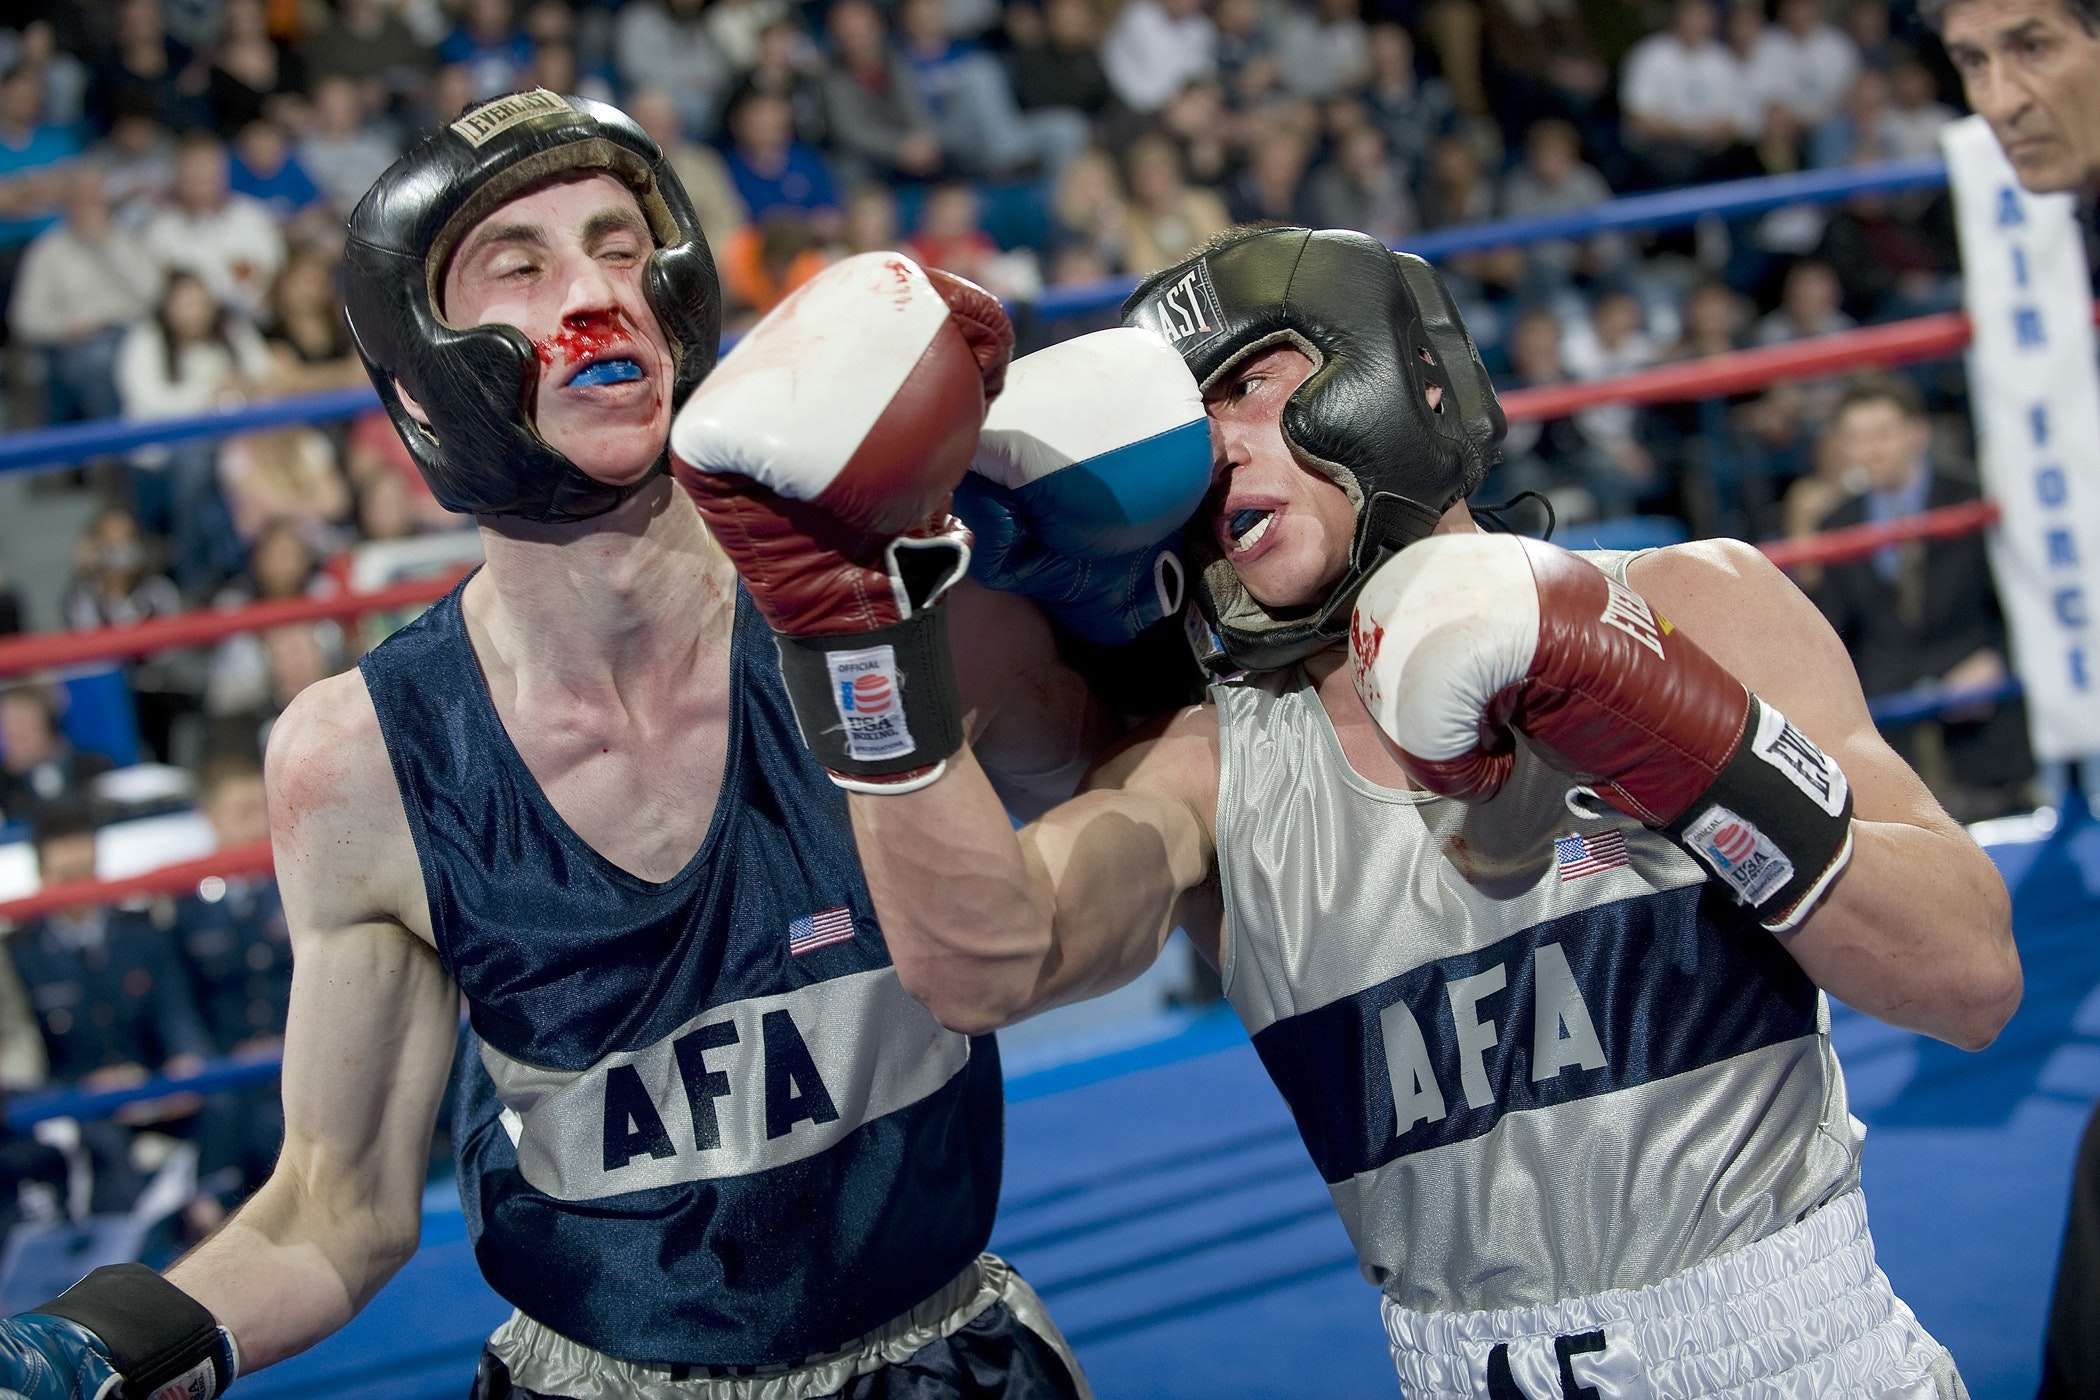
[[1381, 330], [480, 452]]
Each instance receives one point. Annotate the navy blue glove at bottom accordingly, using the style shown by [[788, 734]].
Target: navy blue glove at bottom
[[121, 1333]]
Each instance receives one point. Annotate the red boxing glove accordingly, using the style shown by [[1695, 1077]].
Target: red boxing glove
[[822, 454], [1463, 639]]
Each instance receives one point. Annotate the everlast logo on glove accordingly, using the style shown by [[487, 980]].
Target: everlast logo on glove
[[866, 690], [1796, 755], [1186, 310]]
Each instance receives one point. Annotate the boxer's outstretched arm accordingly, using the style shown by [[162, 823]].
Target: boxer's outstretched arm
[[367, 1047], [988, 925], [1031, 721], [1918, 928]]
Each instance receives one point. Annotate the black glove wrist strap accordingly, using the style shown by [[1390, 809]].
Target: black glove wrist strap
[[155, 1333], [877, 707], [1775, 828]]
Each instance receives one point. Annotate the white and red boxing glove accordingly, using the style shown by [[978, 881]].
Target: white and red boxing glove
[[823, 453], [1463, 641]]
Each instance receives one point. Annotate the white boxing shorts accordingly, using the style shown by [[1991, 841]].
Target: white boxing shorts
[[1803, 1314]]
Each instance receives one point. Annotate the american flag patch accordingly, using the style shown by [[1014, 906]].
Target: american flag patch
[[820, 930], [1579, 855]]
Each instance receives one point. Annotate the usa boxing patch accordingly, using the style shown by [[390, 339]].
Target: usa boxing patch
[[868, 694]]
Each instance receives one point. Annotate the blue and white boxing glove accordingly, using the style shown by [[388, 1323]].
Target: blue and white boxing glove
[[1092, 459], [121, 1333]]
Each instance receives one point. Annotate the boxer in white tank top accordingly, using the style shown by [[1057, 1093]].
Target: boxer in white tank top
[[1529, 884]]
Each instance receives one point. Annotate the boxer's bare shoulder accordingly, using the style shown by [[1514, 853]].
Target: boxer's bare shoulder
[[344, 852]]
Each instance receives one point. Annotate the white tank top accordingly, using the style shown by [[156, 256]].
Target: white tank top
[[1535, 1056]]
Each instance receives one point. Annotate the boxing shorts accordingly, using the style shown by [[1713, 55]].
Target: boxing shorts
[[986, 1333], [1802, 1314]]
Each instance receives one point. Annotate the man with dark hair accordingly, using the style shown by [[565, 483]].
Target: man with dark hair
[[37, 764], [2027, 67], [111, 1002], [1916, 614]]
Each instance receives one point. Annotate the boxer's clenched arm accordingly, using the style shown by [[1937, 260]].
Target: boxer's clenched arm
[[367, 1048], [1918, 928], [988, 925]]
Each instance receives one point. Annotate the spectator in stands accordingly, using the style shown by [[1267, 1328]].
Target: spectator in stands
[[304, 327], [1271, 185], [376, 452], [137, 160], [343, 147], [699, 167], [81, 285], [35, 158], [563, 60], [490, 44], [1700, 436], [368, 42], [143, 72], [1811, 303], [1323, 49], [1614, 340], [772, 171], [249, 73], [234, 944], [193, 355], [1553, 179], [1091, 210], [785, 64], [1168, 217], [1803, 63], [1686, 100], [1554, 456], [664, 44], [1244, 43], [1154, 48], [63, 74], [1536, 58], [263, 168], [112, 1002], [1208, 133], [254, 675], [1895, 255], [879, 124], [1922, 612], [1411, 110], [1858, 132], [1363, 188], [116, 581], [38, 764], [227, 239], [1911, 128], [949, 235], [735, 27], [285, 475], [1055, 56], [1458, 192], [966, 92]]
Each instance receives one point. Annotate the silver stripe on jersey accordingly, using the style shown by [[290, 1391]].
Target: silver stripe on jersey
[[1334, 885], [872, 1048]]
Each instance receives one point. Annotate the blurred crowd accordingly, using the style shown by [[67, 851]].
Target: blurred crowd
[[174, 177]]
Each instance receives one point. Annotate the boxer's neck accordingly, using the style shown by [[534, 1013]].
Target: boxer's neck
[[636, 592]]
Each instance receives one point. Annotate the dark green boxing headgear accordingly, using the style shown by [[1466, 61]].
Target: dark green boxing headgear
[[1381, 329]]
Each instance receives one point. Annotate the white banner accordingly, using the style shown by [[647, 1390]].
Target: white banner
[[2035, 396]]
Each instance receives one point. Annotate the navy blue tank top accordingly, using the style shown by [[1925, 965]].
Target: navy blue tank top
[[700, 1122]]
